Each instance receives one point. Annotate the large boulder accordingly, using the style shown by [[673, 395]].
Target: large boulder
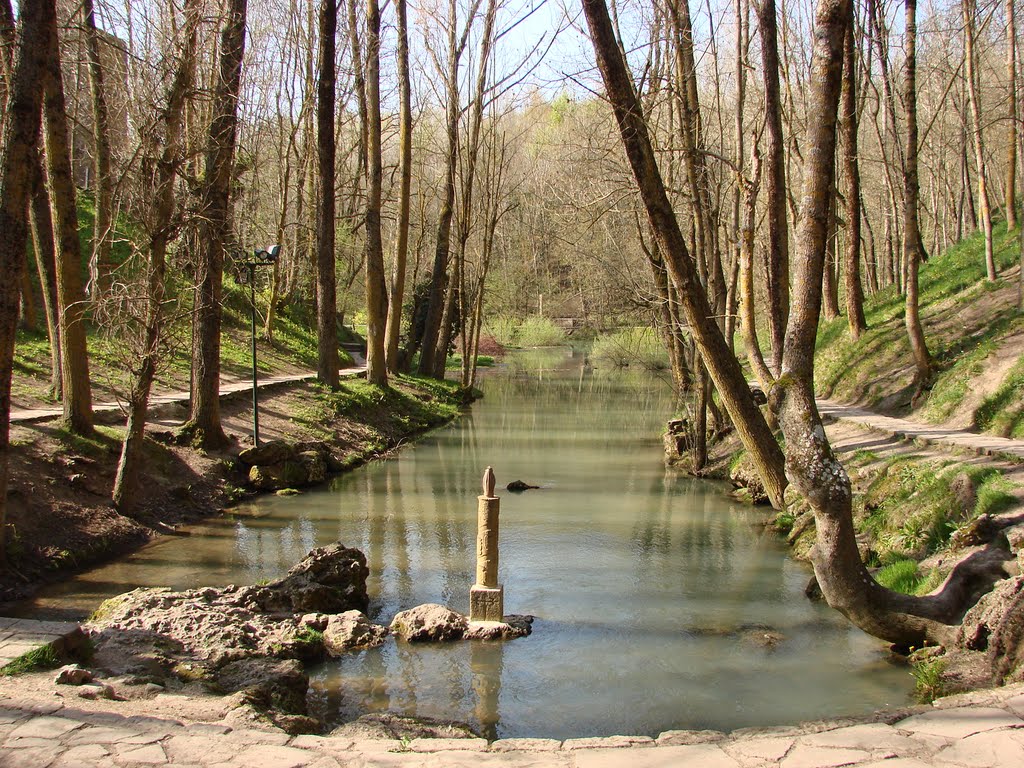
[[329, 579], [429, 623], [351, 631], [266, 682], [995, 627], [278, 464]]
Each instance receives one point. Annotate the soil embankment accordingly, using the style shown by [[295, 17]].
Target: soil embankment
[[59, 511]]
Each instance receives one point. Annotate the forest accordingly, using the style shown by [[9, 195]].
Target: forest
[[724, 174]]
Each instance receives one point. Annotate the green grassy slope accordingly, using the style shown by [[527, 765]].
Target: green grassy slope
[[973, 330]]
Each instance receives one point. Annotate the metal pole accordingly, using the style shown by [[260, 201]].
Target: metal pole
[[255, 387]]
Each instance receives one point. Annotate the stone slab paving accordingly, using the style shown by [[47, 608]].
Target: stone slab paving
[[21, 636], [979, 730], [930, 434]]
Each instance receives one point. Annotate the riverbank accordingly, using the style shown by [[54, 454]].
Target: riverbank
[[37, 727], [59, 507]]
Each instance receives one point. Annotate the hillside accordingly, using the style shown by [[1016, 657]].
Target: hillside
[[975, 334]]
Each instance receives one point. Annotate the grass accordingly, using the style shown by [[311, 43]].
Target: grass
[[631, 346], [910, 511], [44, 657], [876, 367], [928, 679]]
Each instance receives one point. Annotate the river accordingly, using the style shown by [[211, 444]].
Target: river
[[653, 591]]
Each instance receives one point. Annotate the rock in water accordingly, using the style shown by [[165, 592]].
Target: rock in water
[[429, 622], [519, 485], [350, 631], [329, 579]]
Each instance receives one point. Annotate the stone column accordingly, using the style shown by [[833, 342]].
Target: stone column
[[487, 596]]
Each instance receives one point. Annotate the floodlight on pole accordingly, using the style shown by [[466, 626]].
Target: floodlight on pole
[[261, 257]]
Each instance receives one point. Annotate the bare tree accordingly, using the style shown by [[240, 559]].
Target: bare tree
[[326, 280], [376, 287], [215, 233], [970, 56], [20, 136]]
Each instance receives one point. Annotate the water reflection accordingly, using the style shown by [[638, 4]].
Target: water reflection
[[649, 587]]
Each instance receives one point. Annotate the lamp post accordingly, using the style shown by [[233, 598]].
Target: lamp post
[[262, 257]]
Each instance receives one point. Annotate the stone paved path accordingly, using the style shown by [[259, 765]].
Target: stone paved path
[[180, 398], [941, 437], [977, 730], [21, 636]]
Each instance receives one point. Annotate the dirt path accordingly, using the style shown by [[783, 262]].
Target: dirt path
[[157, 400]]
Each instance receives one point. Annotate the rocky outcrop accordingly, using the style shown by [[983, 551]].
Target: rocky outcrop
[[995, 627], [351, 631], [278, 464], [250, 639], [744, 478], [513, 626], [429, 623], [387, 725]]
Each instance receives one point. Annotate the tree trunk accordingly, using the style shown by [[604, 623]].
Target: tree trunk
[[748, 326], [830, 283], [777, 257], [215, 233], [394, 327], [1013, 128], [810, 462], [99, 264], [854, 289], [326, 278], [76, 391], [46, 265], [969, 12], [911, 195], [723, 367], [27, 313], [376, 286], [20, 136], [125, 494]]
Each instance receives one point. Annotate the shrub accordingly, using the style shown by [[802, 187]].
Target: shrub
[[503, 330], [537, 331], [631, 346]]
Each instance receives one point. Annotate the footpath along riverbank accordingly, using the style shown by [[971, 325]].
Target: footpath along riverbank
[[984, 729]]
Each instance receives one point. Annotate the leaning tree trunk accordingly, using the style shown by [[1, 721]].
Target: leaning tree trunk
[[74, 357], [723, 367], [46, 265], [125, 495], [215, 233], [1012, 127], [810, 462], [20, 136]]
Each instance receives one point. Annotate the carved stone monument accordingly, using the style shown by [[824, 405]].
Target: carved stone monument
[[487, 596]]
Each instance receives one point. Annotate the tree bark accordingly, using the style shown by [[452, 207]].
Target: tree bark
[[394, 326], [1013, 128], [76, 389], [99, 264], [911, 225], [851, 168], [20, 136], [723, 367], [46, 265], [326, 277], [777, 257], [984, 206], [215, 233], [125, 494], [376, 286]]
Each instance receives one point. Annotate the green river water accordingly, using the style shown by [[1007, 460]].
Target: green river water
[[650, 588]]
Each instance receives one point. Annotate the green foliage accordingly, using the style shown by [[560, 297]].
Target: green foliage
[[631, 346], [454, 362], [910, 509], [537, 331], [900, 576], [504, 330], [862, 369], [928, 681], [44, 657]]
